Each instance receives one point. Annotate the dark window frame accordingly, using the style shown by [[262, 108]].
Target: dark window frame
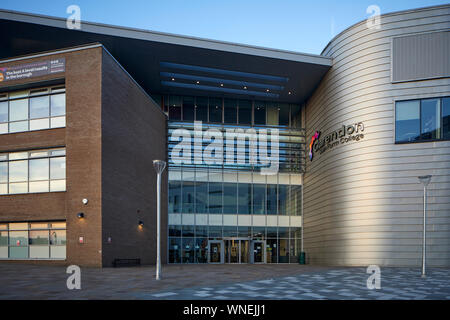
[[420, 140]]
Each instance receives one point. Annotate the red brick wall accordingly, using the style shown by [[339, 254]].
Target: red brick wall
[[133, 135], [113, 132], [82, 138]]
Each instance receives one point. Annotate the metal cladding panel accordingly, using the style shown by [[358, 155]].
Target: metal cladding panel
[[362, 200], [421, 56]]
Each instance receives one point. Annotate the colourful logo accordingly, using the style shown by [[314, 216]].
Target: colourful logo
[[313, 139]]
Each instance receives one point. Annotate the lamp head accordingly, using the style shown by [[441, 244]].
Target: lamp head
[[425, 180], [159, 165]]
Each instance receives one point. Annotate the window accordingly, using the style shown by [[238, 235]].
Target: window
[[215, 110], [283, 192], [271, 198], [296, 116], [245, 112], [446, 118], [175, 108], [230, 111], [260, 113], [229, 197], [188, 108], [188, 196], [215, 197], [33, 171], [201, 109], [35, 109], [422, 120], [42, 240], [201, 196], [272, 114], [283, 110], [174, 196], [430, 116], [259, 199], [244, 198], [407, 115]]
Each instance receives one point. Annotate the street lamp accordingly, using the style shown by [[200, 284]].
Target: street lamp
[[425, 180], [159, 166]]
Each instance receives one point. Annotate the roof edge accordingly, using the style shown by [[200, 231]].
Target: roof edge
[[394, 13], [84, 47], [142, 34]]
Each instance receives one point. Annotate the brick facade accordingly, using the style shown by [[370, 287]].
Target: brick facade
[[113, 132]]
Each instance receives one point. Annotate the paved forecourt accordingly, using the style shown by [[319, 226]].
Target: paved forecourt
[[227, 282]]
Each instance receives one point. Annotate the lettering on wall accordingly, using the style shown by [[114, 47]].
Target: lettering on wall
[[347, 133]]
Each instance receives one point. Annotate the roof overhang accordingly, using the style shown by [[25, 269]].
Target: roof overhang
[[167, 63]]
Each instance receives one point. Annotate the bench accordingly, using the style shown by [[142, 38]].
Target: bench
[[126, 262]]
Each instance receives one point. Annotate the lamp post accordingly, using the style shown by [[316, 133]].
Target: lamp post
[[159, 166], [425, 180]]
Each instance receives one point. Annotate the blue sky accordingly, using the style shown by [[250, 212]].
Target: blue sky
[[297, 25]]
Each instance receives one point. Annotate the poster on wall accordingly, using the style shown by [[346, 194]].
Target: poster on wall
[[31, 70]]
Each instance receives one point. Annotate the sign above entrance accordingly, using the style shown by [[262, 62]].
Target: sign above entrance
[[345, 134]]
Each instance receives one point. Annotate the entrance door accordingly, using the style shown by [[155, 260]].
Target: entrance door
[[215, 251], [232, 251], [245, 251], [258, 250], [237, 250]]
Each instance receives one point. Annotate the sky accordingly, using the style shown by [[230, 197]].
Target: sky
[[295, 25]]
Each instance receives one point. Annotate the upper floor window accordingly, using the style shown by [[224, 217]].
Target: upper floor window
[[33, 109], [232, 111], [422, 120], [33, 171]]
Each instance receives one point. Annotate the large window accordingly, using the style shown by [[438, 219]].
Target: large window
[[33, 171], [30, 110], [36, 240], [232, 111], [234, 197], [422, 120]]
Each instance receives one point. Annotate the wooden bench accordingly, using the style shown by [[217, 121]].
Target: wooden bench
[[126, 262]]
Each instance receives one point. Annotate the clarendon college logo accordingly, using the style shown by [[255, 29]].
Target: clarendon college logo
[[353, 132]]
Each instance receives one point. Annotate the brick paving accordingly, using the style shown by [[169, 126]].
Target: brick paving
[[237, 282]]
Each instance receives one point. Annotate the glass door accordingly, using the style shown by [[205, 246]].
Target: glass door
[[232, 251], [244, 251], [258, 250], [237, 250], [215, 251]]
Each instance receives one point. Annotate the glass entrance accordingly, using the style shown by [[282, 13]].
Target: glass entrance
[[237, 250], [258, 250], [215, 251]]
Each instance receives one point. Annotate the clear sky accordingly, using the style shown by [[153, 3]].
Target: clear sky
[[297, 25]]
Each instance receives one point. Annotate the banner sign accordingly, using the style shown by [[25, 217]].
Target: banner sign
[[31, 70]]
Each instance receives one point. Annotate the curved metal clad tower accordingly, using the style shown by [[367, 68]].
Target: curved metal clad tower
[[363, 202]]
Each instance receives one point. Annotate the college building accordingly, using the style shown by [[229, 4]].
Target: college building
[[269, 153]]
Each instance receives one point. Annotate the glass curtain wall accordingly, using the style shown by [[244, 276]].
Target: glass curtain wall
[[211, 203]]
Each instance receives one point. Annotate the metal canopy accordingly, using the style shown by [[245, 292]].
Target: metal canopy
[[167, 63]]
